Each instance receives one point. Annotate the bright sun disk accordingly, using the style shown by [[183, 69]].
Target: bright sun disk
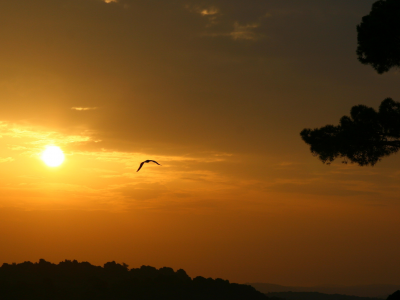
[[53, 156]]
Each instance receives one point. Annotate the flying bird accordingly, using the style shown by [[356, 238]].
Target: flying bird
[[146, 161]]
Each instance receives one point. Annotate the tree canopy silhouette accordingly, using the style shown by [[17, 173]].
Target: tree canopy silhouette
[[363, 138], [379, 36], [73, 280]]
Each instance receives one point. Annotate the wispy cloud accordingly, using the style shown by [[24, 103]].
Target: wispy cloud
[[83, 108], [31, 140], [106, 178], [209, 12], [244, 32], [239, 32], [6, 159]]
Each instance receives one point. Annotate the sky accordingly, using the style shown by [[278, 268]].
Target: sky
[[217, 92]]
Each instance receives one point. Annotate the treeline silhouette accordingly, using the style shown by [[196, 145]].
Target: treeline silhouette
[[81, 280]]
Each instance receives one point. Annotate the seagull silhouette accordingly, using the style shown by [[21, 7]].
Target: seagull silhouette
[[146, 161]]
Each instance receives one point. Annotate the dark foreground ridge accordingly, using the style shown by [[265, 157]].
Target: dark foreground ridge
[[315, 296], [81, 280], [380, 291]]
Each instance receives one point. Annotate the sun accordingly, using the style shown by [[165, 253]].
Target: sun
[[53, 156]]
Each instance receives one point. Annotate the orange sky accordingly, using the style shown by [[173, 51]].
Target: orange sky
[[217, 92]]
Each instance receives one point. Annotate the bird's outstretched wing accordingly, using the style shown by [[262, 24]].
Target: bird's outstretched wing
[[140, 166], [155, 162]]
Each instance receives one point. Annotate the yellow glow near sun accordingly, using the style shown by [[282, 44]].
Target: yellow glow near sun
[[53, 156]]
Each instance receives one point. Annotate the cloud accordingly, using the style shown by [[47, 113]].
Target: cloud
[[110, 1], [31, 140], [143, 191], [239, 32], [209, 11], [84, 108], [244, 32], [6, 159]]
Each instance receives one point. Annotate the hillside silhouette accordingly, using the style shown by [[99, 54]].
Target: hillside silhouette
[[381, 291], [81, 280], [314, 296]]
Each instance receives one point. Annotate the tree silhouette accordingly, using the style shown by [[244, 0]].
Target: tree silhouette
[[379, 36], [82, 281], [363, 138]]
